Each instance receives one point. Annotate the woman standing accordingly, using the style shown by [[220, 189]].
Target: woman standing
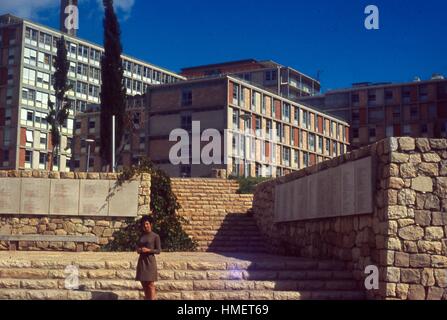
[[148, 246]]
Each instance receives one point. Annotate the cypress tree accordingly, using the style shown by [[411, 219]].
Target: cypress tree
[[59, 111], [113, 93]]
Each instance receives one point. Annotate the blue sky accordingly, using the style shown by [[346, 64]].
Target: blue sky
[[307, 35]]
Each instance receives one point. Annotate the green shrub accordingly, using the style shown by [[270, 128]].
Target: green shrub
[[248, 185], [164, 207]]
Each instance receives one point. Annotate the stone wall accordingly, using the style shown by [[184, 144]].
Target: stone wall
[[405, 236], [102, 227]]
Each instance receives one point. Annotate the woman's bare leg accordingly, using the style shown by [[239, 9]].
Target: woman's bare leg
[[145, 289], [151, 291]]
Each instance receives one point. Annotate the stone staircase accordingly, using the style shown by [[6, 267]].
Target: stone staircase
[[217, 217], [185, 276]]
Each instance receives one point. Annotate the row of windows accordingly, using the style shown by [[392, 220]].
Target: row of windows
[[376, 115], [86, 54], [390, 132], [405, 93], [278, 126], [317, 144], [43, 161], [288, 113]]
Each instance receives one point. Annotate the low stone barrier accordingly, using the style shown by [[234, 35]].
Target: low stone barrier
[[102, 227], [405, 234]]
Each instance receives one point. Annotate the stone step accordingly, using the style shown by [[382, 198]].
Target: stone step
[[184, 284], [12, 294]]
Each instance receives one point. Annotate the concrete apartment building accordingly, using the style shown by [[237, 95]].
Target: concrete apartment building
[[27, 52], [266, 134], [284, 81], [87, 135], [376, 111]]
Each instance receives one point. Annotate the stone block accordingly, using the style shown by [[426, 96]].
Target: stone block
[[411, 233], [410, 276], [420, 260], [422, 184], [416, 292], [401, 259]]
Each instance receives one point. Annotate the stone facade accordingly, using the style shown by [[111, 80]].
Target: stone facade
[[102, 227], [405, 236]]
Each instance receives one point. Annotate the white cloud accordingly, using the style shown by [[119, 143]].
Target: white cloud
[[121, 6], [26, 8]]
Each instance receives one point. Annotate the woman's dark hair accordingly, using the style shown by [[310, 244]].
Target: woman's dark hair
[[148, 219]]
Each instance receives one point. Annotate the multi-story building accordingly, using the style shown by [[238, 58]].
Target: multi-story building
[[263, 134], [27, 52], [376, 111], [284, 81], [87, 136]]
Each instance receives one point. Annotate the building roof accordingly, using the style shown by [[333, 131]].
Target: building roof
[[371, 85]]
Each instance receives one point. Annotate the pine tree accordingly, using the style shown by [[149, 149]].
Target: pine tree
[[59, 111], [113, 94]]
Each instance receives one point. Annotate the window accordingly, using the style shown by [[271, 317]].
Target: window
[[78, 125], [334, 149], [82, 69], [29, 76], [28, 158], [43, 80], [396, 113], [5, 155], [235, 119], [81, 87], [187, 97], [82, 51], [355, 133], [320, 144], [286, 112], [45, 39], [30, 34], [29, 116], [93, 91], [432, 111], [264, 104], [286, 156], [271, 75], [311, 142], [95, 55], [388, 95], [235, 93], [355, 115], [94, 73], [328, 146], [372, 132], [30, 56], [305, 119], [186, 122], [42, 158], [355, 98], [407, 130], [44, 60], [253, 98], [91, 123], [29, 135], [414, 112], [43, 140], [296, 116], [258, 124]]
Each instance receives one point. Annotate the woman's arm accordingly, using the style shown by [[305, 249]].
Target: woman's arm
[[157, 245]]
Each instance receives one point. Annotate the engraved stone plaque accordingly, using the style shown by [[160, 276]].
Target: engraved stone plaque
[[35, 196], [348, 192], [123, 200], [9, 196], [64, 197], [341, 191], [93, 198], [363, 186]]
